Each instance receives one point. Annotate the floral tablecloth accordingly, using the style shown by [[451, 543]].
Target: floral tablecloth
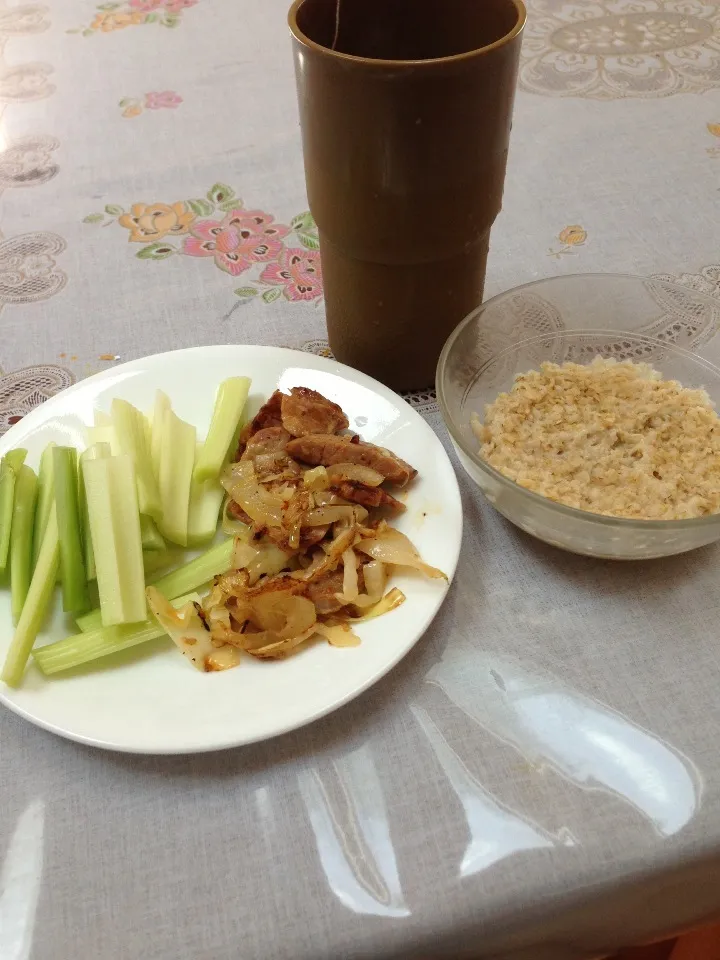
[[153, 198]]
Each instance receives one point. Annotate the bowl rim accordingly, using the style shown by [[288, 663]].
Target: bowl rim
[[561, 508]]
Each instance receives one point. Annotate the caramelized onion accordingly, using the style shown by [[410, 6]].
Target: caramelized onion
[[391, 601], [393, 547], [316, 479], [281, 648], [188, 632], [263, 508], [282, 613], [375, 579], [338, 634], [350, 575], [322, 515], [354, 471]]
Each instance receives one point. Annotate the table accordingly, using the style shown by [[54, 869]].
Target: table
[[540, 777]]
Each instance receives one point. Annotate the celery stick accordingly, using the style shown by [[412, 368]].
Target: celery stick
[[162, 405], [106, 435], [21, 539], [204, 508], [150, 535], [74, 578], [11, 463], [156, 560], [115, 529], [205, 503], [16, 458], [102, 419], [7, 495], [45, 498], [216, 560], [132, 437], [91, 621], [36, 603], [177, 455], [97, 452], [229, 402], [74, 651], [191, 576]]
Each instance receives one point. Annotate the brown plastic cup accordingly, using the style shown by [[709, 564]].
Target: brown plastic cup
[[405, 110]]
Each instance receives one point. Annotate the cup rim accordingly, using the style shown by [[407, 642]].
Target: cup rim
[[561, 508], [399, 64]]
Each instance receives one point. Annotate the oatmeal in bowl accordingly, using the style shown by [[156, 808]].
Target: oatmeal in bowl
[[585, 409], [606, 437]]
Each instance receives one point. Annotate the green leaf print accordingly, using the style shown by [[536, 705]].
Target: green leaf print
[[88, 33], [94, 218], [220, 193], [304, 223], [246, 292], [151, 18], [306, 229], [156, 251], [271, 295], [170, 20], [232, 203], [201, 208], [113, 210], [312, 243]]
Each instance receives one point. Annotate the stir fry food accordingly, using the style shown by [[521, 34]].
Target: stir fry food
[[306, 507], [314, 544]]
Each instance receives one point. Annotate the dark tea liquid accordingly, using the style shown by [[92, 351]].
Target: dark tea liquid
[[404, 29]]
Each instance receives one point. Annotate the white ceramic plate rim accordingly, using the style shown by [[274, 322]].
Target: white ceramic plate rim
[[18, 435]]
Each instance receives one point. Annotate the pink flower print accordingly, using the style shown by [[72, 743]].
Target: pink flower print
[[242, 238], [156, 101], [299, 271], [175, 6], [146, 6]]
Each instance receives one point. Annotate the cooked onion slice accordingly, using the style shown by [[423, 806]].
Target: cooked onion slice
[[278, 616], [323, 515], [316, 479], [233, 527], [284, 614], [281, 648], [222, 658], [338, 635], [188, 632], [354, 471], [375, 578], [393, 547], [326, 563], [326, 498], [391, 601], [263, 508], [350, 575]]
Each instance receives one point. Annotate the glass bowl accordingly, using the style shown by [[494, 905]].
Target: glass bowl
[[575, 318]]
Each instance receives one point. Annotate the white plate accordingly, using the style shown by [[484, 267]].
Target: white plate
[[149, 700]]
